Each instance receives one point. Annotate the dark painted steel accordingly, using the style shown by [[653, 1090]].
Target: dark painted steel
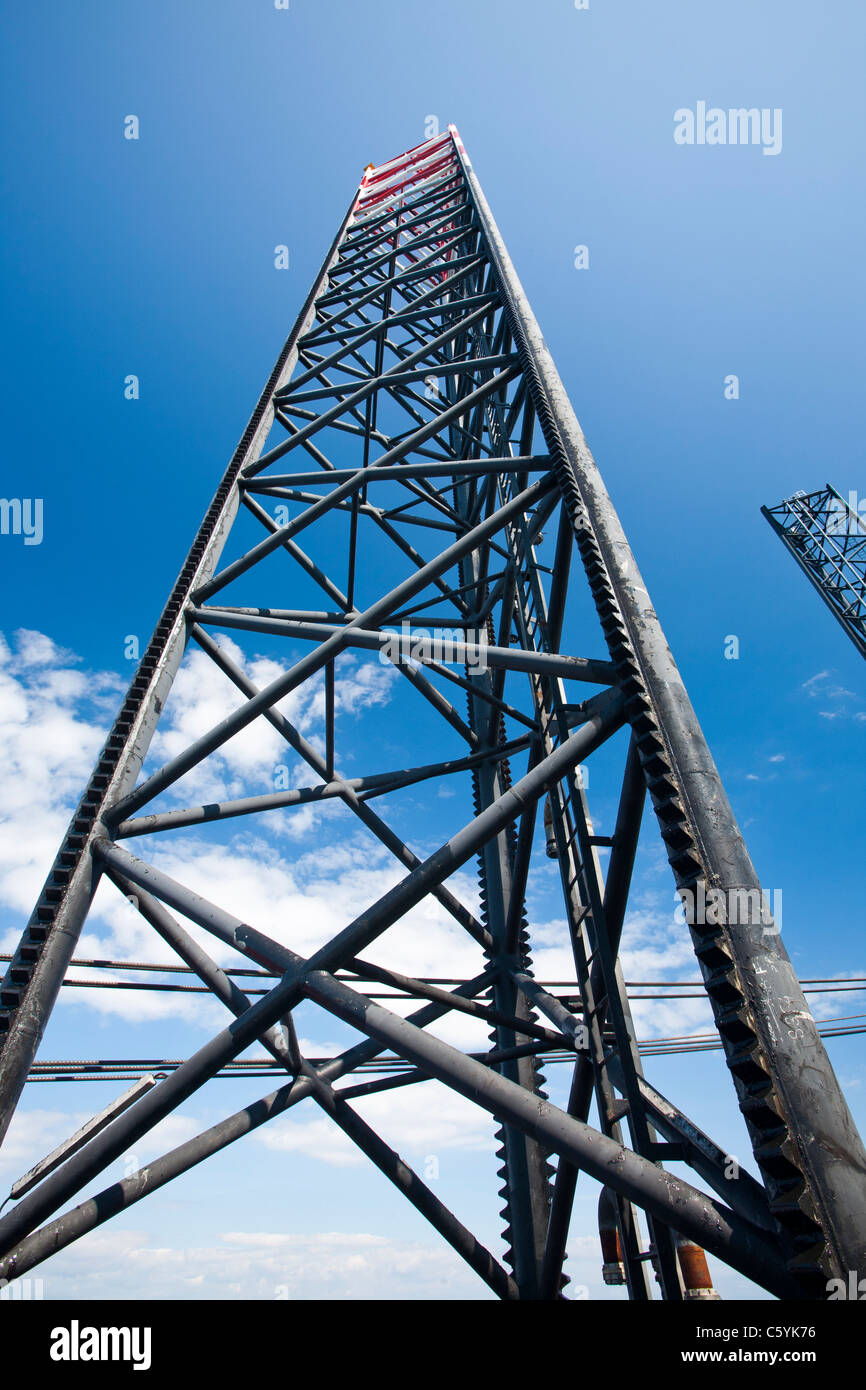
[[803, 1136], [717, 1228], [418, 288], [29, 989]]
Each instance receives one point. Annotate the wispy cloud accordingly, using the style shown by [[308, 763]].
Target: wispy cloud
[[821, 686], [282, 1265], [814, 680]]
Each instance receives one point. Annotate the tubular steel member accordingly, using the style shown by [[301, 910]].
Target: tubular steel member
[[416, 362], [803, 1136], [29, 989]]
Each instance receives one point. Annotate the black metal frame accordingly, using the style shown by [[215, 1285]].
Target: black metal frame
[[489, 456]]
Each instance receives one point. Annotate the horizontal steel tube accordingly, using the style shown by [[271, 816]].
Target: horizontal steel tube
[[394, 378], [823, 1143], [605, 720], [752, 1251], [378, 784], [378, 611], [458, 468], [358, 397], [462, 653], [354, 484]]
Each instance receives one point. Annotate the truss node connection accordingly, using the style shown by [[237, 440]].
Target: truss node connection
[[414, 482]]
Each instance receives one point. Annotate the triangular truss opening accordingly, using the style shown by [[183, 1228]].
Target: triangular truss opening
[[413, 498]]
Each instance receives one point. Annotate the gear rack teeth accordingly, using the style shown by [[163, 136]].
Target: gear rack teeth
[[810, 1158]]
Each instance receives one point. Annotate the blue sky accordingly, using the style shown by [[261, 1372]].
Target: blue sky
[[155, 257]]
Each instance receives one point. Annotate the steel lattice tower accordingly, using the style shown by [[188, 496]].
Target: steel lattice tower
[[827, 538], [417, 313]]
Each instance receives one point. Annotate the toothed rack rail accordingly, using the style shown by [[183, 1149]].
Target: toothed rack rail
[[416, 402]]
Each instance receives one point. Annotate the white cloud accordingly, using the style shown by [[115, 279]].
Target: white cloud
[[33, 1134], [53, 718], [52, 725], [202, 696], [416, 1120], [36, 649], [302, 900], [821, 685], [264, 1265], [815, 680]]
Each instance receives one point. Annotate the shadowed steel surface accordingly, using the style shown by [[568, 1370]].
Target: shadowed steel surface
[[415, 413]]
